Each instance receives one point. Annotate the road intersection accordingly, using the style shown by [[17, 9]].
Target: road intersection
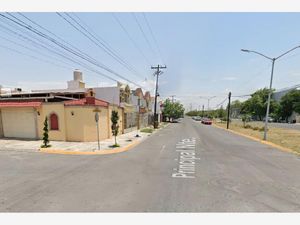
[[230, 174]]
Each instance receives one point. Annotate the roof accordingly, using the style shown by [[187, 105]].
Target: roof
[[35, 103], [83, 102], [80, 90]]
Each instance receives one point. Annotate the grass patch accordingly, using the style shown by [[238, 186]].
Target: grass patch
[[114, 146], [147, 130], [287, 138], [45, 146]]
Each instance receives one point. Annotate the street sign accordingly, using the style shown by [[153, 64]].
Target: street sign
[[96, 117], [97, 124]]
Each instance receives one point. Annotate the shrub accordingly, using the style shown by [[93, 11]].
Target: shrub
[[246, 118], [262, 129], [114, 146], [45, 135], [247, 126], [147, 130], [114, 127]]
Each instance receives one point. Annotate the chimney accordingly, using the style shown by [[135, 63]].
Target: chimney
[[90, 100]]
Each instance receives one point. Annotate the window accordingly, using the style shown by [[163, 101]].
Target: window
[[53, 122]]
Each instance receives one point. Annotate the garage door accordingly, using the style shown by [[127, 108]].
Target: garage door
[[19, 122]]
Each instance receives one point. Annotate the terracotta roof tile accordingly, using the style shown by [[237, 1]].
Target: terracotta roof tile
[[20, 103], [83, 102]]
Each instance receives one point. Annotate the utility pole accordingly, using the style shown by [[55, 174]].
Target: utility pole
[[228, 112], [157, 73], [138, 118], [202, 110]]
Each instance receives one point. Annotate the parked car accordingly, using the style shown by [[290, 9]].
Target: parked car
[[176, 120], [206, 121], [198, 118], [270, 119]]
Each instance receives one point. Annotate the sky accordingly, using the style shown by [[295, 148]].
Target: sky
[[201, 52]]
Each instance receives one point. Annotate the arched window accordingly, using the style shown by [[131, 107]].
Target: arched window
[[53, 121]]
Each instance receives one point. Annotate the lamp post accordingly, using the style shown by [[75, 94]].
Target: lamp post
[[208, 99], [271, 81]]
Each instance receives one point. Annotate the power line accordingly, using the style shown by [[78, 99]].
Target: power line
[[107, 46], [131, 39], [66, 48], [39, 45], [155, 40], [62, 54], [98, 41], [34, 50], [35, 23], [217, 106], [143, 32], [241, 96], [34, 57], [95, 44]]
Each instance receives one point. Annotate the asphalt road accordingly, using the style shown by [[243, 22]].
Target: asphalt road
[[232, 174]]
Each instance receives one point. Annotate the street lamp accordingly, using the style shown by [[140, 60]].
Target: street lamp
[[271, 80], [208, 99]]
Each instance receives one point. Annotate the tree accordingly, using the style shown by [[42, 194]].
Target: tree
[[193, 113], [236, 107], [257, 104], [46, 135], [289, 103], [115, 127], [220, 113], [245, 118], [172, 110]]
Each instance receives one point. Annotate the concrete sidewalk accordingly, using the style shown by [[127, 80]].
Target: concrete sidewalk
[[123, 140]]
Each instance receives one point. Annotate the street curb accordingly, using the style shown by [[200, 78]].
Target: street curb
[[259, 140], [101, 152]]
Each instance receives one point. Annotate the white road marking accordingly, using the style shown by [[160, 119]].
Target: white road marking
[[187, 159], [162, 148]]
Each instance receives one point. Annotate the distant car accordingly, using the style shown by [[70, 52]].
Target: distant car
[[270, 119], [198, 118], [206, 121], [176, 120]]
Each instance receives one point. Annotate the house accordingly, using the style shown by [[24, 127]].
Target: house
[[119, 96], [70, 113]]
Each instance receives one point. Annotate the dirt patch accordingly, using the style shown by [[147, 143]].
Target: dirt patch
[[286, 138]]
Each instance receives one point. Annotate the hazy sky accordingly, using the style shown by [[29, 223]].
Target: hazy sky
[[201, 51]]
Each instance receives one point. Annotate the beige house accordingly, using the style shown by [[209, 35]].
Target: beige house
[[71, 120]]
